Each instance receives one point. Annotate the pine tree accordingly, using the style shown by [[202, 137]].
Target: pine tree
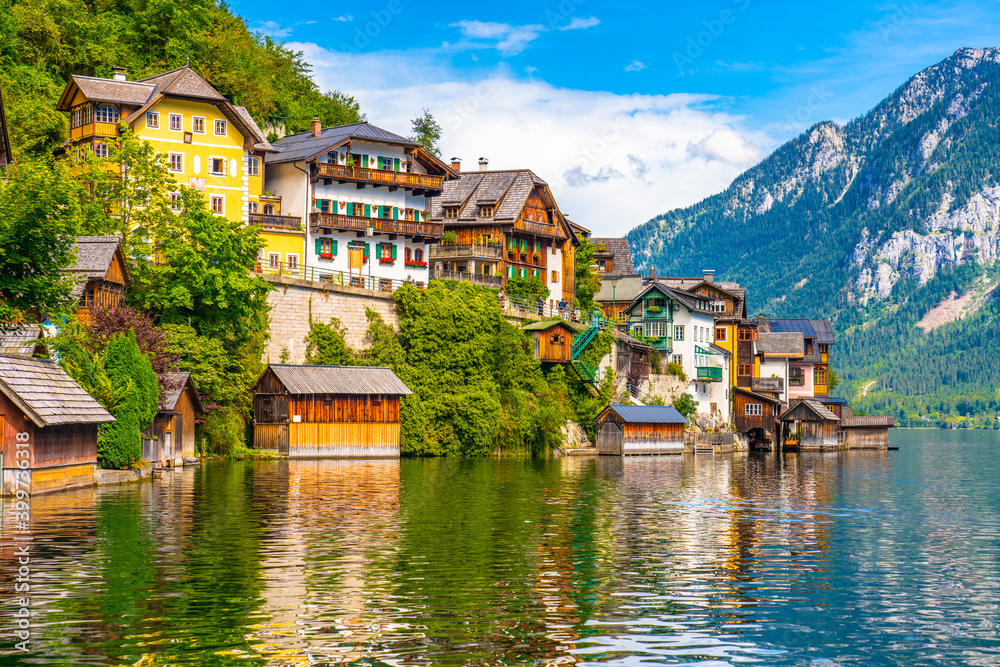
[[426, 132]]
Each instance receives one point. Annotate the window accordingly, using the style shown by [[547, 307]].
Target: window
[[175, 201], [754, 409], [824, 349], [385, 250], [326, 248], [268, 209], [218, 204], [105, 114], [744, 334], [217, 166], [486, 211], [292, 261], [253, 166], [555, 276], [153, 120], [82, 116], [175, 121], [718, 306], [198, 124], [637, 329], [418, 254], [744, 370], [820, 375], [677, 359], [796, 376], [101, 150], [176, 162], [386, 163], [273, 260], [679, 332], [408, 254], [656, 329], [720, 334], [386, 212], [220, 128], [253, 207]]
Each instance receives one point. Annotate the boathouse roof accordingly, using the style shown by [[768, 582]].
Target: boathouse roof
[[548, 324], [338, 380], [648, 414], [47, 395], [22, 340], [808, 409], [175, 383]]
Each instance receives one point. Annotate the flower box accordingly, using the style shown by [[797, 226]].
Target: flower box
[[326, 255], [386, 260], [413, 262]]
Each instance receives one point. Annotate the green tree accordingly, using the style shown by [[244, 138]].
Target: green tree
[[326, 346], [685, 404], [426, 132], [588, 282], [38, 222], [119, 444], [529, 289]]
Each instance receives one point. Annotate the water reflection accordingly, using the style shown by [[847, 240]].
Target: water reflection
[[849, 558]]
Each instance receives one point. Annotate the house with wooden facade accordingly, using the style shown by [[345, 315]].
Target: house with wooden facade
[[755, 415], [174, 423], [862, 432], [624, 430], [101, 273], [328, 411], [809, 375], [49, 421], [552, 341], [364, 194], [807, 425], [612, 256], [507, 225]]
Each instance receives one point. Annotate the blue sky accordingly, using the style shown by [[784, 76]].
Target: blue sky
[[626, 109]]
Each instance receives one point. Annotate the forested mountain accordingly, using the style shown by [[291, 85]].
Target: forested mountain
[[873, 224], [42, 42]]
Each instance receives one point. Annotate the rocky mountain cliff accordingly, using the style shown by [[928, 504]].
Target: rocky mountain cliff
[[853, 222]]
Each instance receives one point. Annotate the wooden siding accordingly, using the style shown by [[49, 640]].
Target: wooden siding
[[271, 436], [553, 345], [609, 439], [184, 432], [338, 408], [319, 440], [818, 435], [745, 423], [866, 437], [615, 438]]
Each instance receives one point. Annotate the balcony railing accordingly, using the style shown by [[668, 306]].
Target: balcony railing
[[662, 314], [94, 129], [359, 223], [708, 374], [282, 222], [662, 344], [494, 282], [767, 384], [466, 251], [319, 274], [397, 179]]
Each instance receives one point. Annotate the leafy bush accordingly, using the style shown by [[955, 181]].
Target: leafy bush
[[675, 369], [326, 344], [686, 405], [119, 444], [224, 428], [531, 288]]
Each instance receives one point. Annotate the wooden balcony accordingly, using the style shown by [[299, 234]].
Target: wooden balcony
[[93, 130], [776, 385], [358, 223], [379, 177], [494, 282], [708, 374], [285, 223], [466, 251]]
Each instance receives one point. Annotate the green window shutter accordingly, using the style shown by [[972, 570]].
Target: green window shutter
[[350, 208], [393, 246], [538, 246], [395, 163], [395, 213], [319, 246], [367, 252], [334, 244], [368, 210], [364, 161]]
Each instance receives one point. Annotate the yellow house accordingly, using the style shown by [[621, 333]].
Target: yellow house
[[210, 144]]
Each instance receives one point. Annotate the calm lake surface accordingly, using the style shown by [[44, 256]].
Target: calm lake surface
[[859, 558]]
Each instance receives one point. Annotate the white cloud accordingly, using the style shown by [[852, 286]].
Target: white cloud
[[635, 66], [345, 18], [305, 23], [508, 39], [273, 29], [613, 161], [578, 23]]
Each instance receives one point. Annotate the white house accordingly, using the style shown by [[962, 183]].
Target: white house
[[777, 351], [360, 188]]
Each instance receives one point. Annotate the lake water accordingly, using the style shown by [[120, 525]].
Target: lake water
[[857, 558]]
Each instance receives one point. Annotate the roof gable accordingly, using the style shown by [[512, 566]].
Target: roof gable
[[337, 380], [549, 324], [647, 414], [619, 249], [176, 385], [47, 395], [808, 409], [184, 82], [95, 255]]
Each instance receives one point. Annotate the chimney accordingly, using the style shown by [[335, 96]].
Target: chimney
[[483, 164], [119, 74], [456, 163], [317, 127], [652, 273], [709, 275]]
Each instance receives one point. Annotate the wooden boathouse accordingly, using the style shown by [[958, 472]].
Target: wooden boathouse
[[861, 432], [552, 341], [174, 423], [328, 411], [43, 406], [624, 430], [754, 414], [810, 425]]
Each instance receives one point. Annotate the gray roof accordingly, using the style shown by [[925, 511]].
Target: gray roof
[[506, 190], [813, 404], [174, 387], [860, 422], [339, 380], [547, 324], [787, 344], [304, 146], [21, 340], [94, 255], [263, 144], [183, 82], [619, 250], [626, 289], [96, 89], [47, 395], [648, 414]]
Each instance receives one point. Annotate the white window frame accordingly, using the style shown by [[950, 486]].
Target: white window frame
[[180, 122], [101, 150], [211, 163], [170, 163], [678, 332], [153, 120], [113, 114], [194, 124], [274, 260], [677, 359], [175, 201], [253, 166], [656, 329], [253, 207], [753, 410], [222, 204], [225, 127]]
